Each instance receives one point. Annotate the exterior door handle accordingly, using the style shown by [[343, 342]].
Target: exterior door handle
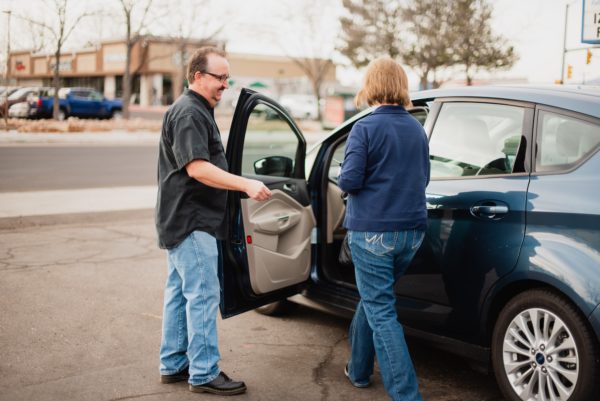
[[489, 211]]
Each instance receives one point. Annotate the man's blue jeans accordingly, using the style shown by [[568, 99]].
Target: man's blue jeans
[[192, 292], [380, 258]]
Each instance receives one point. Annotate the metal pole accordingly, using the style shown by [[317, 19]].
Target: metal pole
[[7, 44], [562, 73], [6, 73]]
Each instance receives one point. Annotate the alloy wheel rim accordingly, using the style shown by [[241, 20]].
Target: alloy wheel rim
[[540, 356]]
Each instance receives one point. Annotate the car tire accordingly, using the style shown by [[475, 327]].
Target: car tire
[[279, 308], [62, 115], [117, 115], [554, 359]]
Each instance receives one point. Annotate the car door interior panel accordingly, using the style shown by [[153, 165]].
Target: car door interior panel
[[279, 246], [336, 210]]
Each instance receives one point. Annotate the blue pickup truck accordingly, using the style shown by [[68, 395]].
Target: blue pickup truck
[[76, 102]]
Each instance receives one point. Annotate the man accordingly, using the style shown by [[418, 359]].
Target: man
[[190, 208]]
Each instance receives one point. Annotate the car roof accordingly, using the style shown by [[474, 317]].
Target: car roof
[[579, 98]]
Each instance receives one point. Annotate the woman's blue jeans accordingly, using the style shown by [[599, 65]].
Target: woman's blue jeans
[[380, 258], [192, 292]]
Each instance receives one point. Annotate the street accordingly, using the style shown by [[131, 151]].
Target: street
[[81, 319], [36, 168]]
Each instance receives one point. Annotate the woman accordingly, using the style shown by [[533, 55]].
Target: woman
[[385, 172]]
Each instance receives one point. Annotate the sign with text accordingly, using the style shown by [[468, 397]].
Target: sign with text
[[63, 66], [590, 27]]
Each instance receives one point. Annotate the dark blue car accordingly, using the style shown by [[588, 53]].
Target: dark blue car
[[509, 272], [75, 102]]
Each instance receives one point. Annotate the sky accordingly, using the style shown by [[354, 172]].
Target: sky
[[537, 28], [534, 27]]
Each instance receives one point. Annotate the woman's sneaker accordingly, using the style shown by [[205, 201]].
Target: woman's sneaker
[[358, 384]]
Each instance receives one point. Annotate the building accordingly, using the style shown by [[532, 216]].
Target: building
[[157, 70]]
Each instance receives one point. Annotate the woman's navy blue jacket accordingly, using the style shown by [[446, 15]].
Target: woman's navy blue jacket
[[385, 172]]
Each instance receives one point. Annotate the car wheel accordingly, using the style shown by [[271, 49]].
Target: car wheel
[[279, 308], [62, 115], [542, 350], [117, 115]]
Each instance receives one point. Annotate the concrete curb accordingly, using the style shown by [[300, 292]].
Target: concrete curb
[[20, 222]]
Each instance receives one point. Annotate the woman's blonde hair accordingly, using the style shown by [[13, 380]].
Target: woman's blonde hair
[[385, 82]]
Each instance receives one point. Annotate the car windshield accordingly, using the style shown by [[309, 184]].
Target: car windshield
[[63, 92], [19, 93]]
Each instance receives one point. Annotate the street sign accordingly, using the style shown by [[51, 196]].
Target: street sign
[[590, 27]]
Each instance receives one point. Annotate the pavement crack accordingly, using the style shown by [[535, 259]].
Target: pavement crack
[[322, 367], [289, 345], [133, 397]]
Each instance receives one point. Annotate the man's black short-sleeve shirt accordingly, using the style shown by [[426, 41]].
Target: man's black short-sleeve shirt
[[183, 204]]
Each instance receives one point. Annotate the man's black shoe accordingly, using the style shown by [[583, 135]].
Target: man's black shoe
[[176, 377], [222, 385]]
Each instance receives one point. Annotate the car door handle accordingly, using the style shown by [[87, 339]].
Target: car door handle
[[489, 211], [289, 187]]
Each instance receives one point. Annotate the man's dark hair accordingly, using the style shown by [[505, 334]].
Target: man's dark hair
[[199, 60]]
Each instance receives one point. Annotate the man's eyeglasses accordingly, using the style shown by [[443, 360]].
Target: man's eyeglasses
[[222, 78]]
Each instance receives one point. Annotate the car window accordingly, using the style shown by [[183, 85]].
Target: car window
[[563, 141], [270, 144], [96, 95], [336, 164], [80, 93], [420, 113], [475, 139]]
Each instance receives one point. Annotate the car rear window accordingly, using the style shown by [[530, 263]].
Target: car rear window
[[564, 141]]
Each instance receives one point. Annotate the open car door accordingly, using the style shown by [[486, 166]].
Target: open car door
[[267, 253]]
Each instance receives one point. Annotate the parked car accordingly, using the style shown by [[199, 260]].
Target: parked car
[[509, 272], [301, 106], [19, 110], [6, 91], [17, 96], [76, 102]]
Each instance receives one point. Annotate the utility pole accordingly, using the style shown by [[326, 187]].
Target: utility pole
[[7, 72], [562, 70]]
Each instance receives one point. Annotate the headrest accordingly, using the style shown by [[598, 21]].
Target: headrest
[[568, 136]]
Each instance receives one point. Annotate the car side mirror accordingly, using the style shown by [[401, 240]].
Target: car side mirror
[[279, 166]]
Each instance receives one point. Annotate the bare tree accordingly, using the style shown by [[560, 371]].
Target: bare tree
[[370, 29], [134, 30], [310, 50], [59, 25], [7, 71], [195, 25], [430, 38], [476, 47]]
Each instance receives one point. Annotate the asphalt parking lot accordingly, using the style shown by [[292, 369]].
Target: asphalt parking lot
[[81, 319]]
